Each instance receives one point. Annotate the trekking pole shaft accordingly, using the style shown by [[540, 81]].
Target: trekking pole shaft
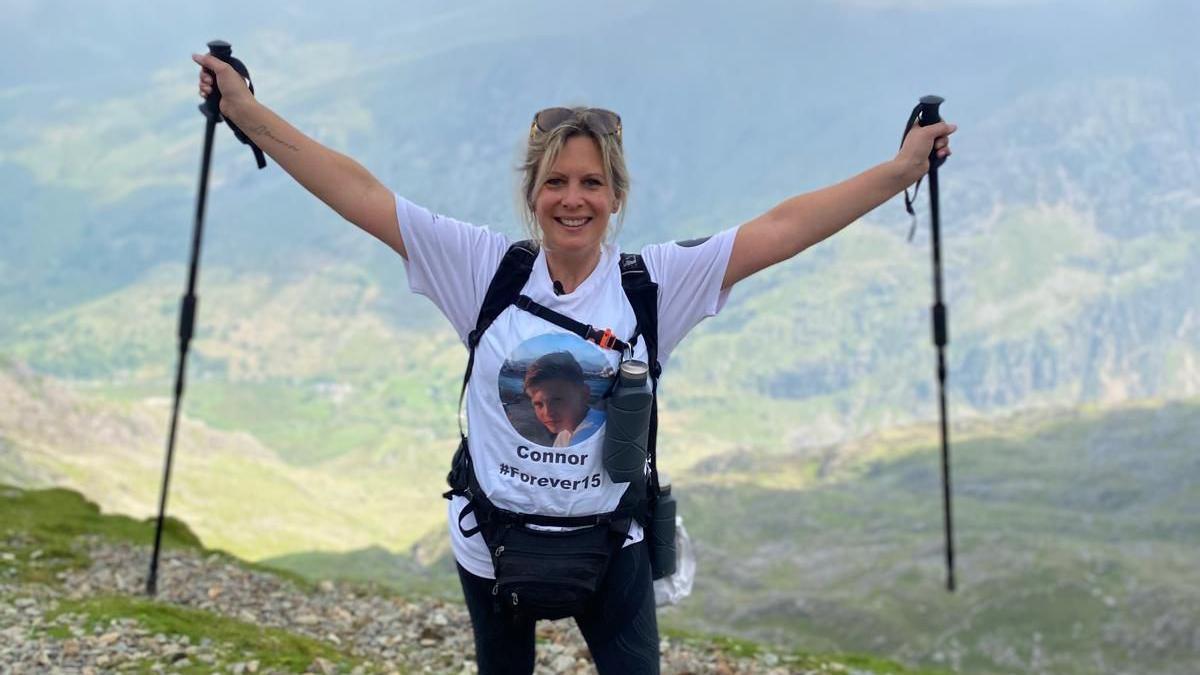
[[198, 229], [941, 338], [152, 579], [187, 321], [948, 517]]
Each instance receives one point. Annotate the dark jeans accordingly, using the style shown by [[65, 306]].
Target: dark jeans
[[621, 628]]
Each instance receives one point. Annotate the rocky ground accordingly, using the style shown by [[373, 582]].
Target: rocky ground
[[39, 633]]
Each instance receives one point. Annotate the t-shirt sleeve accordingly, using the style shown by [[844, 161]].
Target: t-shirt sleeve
[[449, 261], [689, 276]]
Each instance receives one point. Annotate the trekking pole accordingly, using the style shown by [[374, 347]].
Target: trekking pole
[[187, 314], [925, 114]]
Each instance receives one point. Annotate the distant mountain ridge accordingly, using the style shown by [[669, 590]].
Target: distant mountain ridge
[[1066, 213]]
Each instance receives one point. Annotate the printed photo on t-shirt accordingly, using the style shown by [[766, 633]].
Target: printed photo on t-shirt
[[552, 388]]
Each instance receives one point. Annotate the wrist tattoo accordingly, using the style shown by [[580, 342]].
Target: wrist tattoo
[[262, 130]]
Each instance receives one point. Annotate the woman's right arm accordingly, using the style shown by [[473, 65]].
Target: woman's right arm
[[339, 181]]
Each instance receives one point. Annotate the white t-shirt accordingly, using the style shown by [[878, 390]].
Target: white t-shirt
[[535, 407]]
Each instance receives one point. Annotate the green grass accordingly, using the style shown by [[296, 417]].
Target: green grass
[[234, 640], [40, 528], [40, 539]]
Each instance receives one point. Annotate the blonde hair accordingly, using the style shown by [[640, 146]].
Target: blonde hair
[[542, 151]]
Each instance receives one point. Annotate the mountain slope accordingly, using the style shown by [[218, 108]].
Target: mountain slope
[[1076, 537], [237, 493], [1074, 540], [70, 581]]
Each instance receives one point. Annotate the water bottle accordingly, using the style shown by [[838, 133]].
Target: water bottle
[[628, 424], [662, 553]]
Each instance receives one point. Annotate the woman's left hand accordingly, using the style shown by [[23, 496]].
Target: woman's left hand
[[913, 158]]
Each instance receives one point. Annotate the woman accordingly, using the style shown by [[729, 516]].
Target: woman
[[575, 181]]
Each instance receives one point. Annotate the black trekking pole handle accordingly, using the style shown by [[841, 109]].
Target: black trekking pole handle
[[928, 114], [925, 114], [212, 103]]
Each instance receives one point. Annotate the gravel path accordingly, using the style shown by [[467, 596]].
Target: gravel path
[[389, 634]]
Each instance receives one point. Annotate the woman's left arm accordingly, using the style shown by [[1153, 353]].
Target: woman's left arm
[[804, 220]]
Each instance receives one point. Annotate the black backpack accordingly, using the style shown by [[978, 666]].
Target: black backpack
[[554, 575], [504, 290]]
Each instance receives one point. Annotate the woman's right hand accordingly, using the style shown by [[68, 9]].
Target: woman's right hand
[[233, 87]]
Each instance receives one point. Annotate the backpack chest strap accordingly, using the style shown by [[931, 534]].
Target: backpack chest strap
[[604, 338]]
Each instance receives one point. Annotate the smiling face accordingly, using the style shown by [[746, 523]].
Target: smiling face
[[560, 405], [575, 200]]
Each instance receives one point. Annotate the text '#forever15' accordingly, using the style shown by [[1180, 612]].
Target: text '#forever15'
[[587, 482]]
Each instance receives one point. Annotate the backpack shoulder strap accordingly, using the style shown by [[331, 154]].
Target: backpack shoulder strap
[[642, 293], [510, 277], [506, 285]]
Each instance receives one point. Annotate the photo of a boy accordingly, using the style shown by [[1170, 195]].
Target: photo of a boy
[[559, 395]]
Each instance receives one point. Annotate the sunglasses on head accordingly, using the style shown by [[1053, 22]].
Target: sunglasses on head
[[603, 121]]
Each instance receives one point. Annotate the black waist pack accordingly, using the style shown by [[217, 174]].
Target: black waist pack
[[540, 574], [550, 574]]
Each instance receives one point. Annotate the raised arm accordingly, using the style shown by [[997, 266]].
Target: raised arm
[[803, 220], [339, 181]]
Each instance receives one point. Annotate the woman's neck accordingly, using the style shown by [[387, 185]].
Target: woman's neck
[[570, 269]]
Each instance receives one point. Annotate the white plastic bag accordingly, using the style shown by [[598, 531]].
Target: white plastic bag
[[670, 590]]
